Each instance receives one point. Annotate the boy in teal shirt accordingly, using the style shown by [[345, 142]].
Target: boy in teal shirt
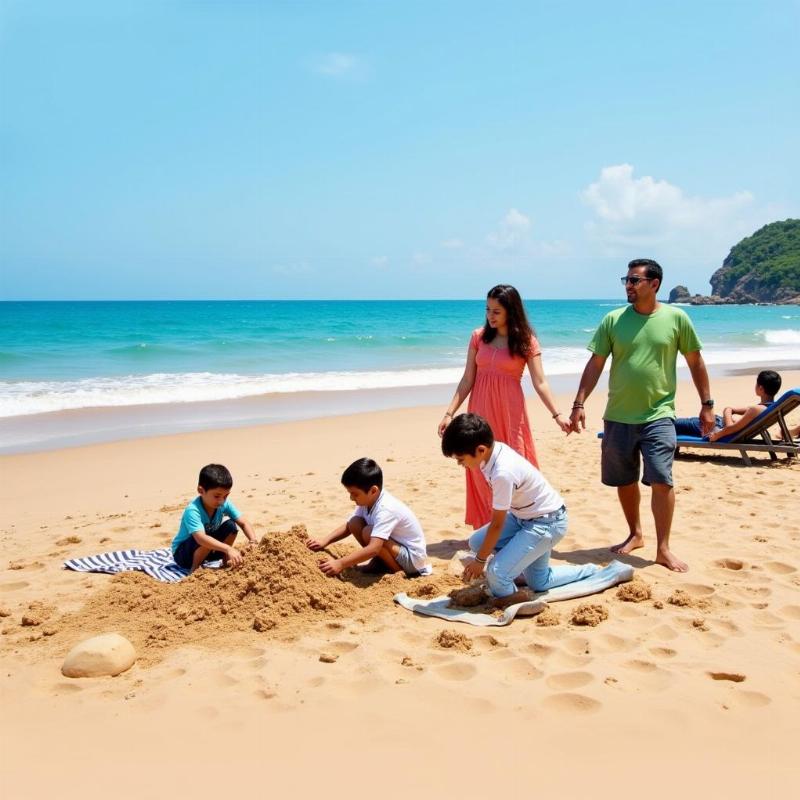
[[204, 533]]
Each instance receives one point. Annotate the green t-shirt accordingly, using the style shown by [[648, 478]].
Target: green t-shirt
[[643, 350]]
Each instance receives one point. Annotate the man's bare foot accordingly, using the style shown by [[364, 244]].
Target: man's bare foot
[[522, 596], [633, 542], [668, 560]]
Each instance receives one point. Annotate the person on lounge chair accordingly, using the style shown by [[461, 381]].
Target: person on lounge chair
[[733, 419]]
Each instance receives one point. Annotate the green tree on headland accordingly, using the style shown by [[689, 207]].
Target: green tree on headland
[[764, 267]]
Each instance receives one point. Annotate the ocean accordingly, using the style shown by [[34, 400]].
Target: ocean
[[64, 356]]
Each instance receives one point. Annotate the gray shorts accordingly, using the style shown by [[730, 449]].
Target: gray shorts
[[622, 444], [403, 558]]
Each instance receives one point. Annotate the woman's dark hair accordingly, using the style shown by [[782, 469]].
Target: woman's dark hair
[[519, 329], [215, 476], [363, 474], [465, 434]]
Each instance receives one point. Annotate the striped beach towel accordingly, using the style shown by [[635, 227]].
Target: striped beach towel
[[158, 564]]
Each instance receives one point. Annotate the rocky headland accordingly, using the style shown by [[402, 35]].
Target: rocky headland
[[762, 268]]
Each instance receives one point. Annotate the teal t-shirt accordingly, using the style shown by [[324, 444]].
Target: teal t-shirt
[[644, 351], [195, 518]]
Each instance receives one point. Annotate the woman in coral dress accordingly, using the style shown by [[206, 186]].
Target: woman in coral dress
[[496, 359]]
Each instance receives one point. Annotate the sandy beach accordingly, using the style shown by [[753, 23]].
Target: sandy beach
[[695, 688]]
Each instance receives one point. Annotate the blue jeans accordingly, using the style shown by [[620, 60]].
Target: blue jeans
[[524, 549], [690, 426]]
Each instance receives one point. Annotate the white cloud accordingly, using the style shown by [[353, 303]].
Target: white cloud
[[631, 212], [380, 261], [452, 244], [338, 65], [420, 259], [513, 230]]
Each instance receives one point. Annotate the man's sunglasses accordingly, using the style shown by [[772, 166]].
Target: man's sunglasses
[[633, 280]]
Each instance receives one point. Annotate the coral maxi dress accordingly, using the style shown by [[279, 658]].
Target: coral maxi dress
[[497, 396]]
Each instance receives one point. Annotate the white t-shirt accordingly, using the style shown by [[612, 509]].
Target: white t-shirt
[[391, 519], [517, 486]]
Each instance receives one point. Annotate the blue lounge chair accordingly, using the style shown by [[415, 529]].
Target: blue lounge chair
[[755, 437], [748, 438]]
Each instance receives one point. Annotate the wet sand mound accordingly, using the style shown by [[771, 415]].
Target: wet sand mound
[[591, 614], [453, 640], [635, 591], [278, 590]]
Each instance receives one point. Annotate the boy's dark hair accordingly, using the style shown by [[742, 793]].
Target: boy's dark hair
[[465, 434], [770, 381], [652, 268], [363, 474], [215, 476]]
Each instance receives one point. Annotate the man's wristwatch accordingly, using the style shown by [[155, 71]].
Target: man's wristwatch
[[708, 403]]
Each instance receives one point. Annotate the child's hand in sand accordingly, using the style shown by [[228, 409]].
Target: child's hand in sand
[[473, 570], [331, 567], [235, 558], [315, 544]]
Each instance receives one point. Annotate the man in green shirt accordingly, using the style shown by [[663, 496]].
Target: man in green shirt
[[643, 340]]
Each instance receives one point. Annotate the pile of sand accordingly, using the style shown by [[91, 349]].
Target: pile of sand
[[635, 591], [591, 614], [278, 589], [453, 640], [548, 618]]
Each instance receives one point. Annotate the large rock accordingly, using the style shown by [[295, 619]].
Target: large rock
[[101, 656], [680, 294]]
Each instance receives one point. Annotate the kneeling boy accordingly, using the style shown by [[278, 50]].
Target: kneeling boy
[[386, 529], [204, 532], [529, 517]]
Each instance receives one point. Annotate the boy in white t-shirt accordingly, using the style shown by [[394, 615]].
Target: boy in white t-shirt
[[528, 516], [387, 530]]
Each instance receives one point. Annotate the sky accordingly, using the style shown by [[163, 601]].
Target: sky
[[236, 149]]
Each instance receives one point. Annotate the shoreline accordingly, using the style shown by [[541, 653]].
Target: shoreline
[[86, 426]]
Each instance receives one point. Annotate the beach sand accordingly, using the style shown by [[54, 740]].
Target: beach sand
[[272, 679]]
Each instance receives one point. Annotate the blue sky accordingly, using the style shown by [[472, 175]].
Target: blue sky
[[224, 149]]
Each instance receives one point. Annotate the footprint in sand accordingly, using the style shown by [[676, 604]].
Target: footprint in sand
[[697, 590], [648, 674], [341, 647], [571, 703], [665, 633], [501, 654], [734, 564], [578, 646], [748, 699], [538, 650], [790, 612], [569, 680], [14, 586], [457, 672], [611, 643], [663, 652], [731, 628], [734, 677], [779, 567], [766, 619], [518, 668]]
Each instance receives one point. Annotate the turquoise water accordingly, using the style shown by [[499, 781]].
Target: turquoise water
[[56, 356]]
